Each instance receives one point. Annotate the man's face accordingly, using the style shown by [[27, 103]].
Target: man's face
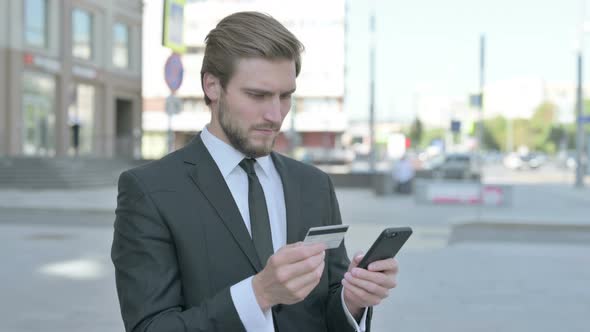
[[249, 113]]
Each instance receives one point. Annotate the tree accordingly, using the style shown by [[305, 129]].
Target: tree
[[431, 135], [416, 132], [540, 127], [494, 134]]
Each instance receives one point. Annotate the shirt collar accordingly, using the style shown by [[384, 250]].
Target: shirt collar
[[227, 157]]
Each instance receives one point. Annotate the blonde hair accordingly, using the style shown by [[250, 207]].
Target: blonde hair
[[247, 35]]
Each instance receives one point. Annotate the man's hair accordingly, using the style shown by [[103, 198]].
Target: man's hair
[[247, 35]]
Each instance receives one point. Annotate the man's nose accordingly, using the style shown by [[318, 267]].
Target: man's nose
[[272, 112]]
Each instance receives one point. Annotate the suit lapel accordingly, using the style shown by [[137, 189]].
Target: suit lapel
[[206, 175], [292, 191]]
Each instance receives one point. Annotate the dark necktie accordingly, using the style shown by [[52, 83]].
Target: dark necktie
[[259, 221]]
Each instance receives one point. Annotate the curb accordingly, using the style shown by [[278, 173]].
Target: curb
[[510, 230]]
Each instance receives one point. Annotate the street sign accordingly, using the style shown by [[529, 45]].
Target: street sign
[[475, 100], [584, 119], [173, 105], [455, 126], [173, 72], [173, 25]]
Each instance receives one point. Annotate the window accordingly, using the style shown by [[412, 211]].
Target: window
[[82, 34], [121, 45], [35, 12]]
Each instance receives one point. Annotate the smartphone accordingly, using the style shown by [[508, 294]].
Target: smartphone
[[389, 242]]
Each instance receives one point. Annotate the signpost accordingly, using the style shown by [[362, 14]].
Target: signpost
[[173, 38], [173, 73]]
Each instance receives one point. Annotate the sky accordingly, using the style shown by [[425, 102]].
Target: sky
[[434, 45]]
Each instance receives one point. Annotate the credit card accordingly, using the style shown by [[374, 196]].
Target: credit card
[[331, 236]]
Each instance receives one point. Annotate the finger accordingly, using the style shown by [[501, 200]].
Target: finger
[[292, 245], [380, 278], [308, 279], [290, 271], [389, 266], [365, 299], [291, 254], [352, 298], [356, 259], [368, 286], [358, 256]]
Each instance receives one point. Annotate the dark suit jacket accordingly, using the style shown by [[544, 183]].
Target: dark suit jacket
[[180, 243]]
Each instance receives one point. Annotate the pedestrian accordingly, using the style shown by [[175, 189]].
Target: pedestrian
[[403, 175], [208, 238]]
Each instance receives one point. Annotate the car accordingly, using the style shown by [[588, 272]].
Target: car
[[457, 166], [327, 156], [531, 160]]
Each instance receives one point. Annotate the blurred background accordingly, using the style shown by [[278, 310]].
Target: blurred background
[[466, 120]]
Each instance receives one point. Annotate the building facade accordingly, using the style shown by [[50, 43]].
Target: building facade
[[316, 120], [70, 78]]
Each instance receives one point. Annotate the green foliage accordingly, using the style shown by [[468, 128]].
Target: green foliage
[[539, 133], [431, 135], [540, 128], [416, 132], [494, 137]]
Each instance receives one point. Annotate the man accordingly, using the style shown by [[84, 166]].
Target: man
[[208, 238], [403, 175]]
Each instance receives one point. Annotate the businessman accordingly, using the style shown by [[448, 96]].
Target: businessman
[[209, 237]]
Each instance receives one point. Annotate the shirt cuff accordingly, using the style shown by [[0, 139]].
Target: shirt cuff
[[251, 315], [360, 327]]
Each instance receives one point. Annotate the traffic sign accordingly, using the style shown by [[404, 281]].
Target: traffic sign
[[455, 126], [173, 72], [475, 100]]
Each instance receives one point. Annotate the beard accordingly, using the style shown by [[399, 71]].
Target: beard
[[238, 135]]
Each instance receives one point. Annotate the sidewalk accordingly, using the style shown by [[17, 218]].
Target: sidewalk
[[533, 201], [95, 200]]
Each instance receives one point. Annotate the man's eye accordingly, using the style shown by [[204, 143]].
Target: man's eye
[[288, 96], [256, 95]]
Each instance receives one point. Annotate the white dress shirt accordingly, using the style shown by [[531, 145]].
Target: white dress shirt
[[227, 159]]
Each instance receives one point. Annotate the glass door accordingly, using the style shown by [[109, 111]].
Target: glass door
[[38, 115]]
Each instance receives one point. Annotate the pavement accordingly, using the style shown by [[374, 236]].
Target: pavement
[[58, 277], [539, 213]]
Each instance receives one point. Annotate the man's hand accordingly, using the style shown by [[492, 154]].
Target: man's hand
[[289, 275], [365, 288]]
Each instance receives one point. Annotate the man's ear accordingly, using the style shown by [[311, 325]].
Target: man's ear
[[211, 86]]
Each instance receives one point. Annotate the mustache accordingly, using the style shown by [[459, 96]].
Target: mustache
[[267, 126]]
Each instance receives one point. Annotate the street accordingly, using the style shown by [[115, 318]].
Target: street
[[58, 275]]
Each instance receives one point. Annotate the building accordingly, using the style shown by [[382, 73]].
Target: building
[[318, 121], [70, 78]]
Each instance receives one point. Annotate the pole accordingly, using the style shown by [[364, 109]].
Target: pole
[[294, 136], [481, 84], [480, 123], [372, 156], [170, 134], [580, 126], [580, 105]]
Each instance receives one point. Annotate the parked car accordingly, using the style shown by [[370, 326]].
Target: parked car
[[532, 160], [567, 159], [327, 156], [457, 166]]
